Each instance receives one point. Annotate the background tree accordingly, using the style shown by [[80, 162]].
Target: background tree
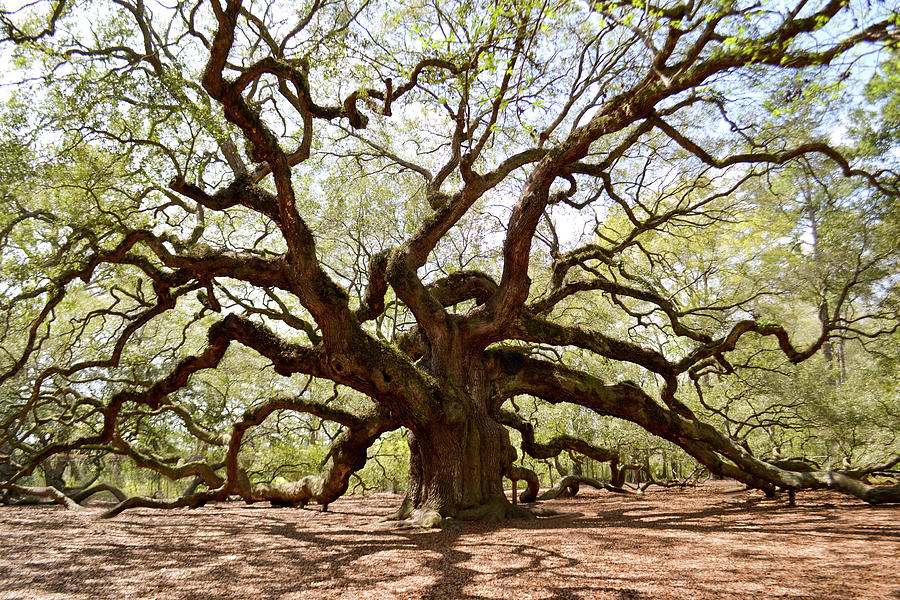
[[408, 217]]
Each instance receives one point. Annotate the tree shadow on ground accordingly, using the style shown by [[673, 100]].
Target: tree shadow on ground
[[742, 516], [238, 552]]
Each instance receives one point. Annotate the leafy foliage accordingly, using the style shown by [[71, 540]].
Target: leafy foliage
[[281, 250]]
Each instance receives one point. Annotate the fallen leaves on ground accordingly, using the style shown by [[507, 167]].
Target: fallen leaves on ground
[[696, 543]]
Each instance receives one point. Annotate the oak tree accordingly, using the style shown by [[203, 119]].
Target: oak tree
[[408, 216]]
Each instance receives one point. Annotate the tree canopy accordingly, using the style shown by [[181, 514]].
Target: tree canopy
[[492, 226]]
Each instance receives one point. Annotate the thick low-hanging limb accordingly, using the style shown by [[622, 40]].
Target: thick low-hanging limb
[[556, 445], [346, 455], [569, 480], [195, 500], [220, 336], [45, 492], [205, 472], [550, 449], [86, 493], [716, 451]]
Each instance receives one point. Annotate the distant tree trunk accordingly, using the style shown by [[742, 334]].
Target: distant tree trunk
[[617, 474], [54, 470]]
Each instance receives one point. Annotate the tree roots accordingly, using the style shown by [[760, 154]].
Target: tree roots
[[492, 511]]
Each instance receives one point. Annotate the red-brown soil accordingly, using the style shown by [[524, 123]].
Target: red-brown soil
[[693, 544]]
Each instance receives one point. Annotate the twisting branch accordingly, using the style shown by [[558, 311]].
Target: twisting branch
[[550, 449], [12, 33], [346, 455], [555, 446], [770, 157], [555, 383], [45, 492]]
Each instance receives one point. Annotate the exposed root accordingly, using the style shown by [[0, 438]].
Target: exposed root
[[420, 518], [402, 512], [424, 518], [489, 512], [738, 490], [549, 513], [494, 510]]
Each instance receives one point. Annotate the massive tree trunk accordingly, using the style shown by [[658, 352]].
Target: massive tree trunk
[[458, 472], [457, 461]]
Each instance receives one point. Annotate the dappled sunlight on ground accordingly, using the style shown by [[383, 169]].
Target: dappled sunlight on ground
[[690, 544]]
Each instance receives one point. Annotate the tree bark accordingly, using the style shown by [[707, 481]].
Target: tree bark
[[560, 490], [457, 472]]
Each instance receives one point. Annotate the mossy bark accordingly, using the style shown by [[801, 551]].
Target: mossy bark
[[458, 460], [454, 469]]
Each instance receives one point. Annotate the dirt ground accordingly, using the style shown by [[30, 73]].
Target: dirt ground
[[693, 544]]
